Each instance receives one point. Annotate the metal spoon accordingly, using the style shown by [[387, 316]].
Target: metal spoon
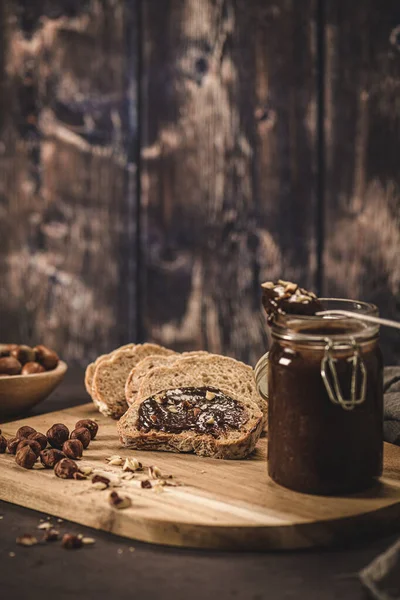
[[361, 317]]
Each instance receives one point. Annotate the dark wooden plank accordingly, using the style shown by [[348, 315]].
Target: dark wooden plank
[[229, 166], [67, 175], [362, 115]]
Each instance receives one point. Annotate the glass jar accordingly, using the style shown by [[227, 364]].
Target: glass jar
[[323, 377]]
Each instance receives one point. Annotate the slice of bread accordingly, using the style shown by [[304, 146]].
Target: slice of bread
[[212, 369], [227, 443], [91, 368], [143, 368], [108, 385]]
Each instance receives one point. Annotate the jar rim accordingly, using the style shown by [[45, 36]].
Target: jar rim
[[318, 329]]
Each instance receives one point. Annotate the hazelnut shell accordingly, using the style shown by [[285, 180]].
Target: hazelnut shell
[[83, 435], [23, 354], [73, 449], [57, 435], [10, 366], [50, 457], [90, 425], [24, 431], [31, 368], [40, 438], [25, 457], [12, 444], [35, 446], [46, 357], [66, 468]]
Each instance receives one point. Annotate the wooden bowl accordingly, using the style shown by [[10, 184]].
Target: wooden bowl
[[19, 393]]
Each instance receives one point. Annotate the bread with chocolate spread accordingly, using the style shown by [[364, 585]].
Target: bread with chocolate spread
[[192, 407], [216, 370], [110, 375]]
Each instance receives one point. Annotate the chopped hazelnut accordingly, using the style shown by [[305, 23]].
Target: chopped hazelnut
[[132, 464], [51, 535], [79, 476], [119, 502], [26, 540], [100, 479], [210, 395], [154, 473], [71, 542]]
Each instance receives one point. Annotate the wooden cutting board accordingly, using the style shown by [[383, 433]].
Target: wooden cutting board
[[222, 504]]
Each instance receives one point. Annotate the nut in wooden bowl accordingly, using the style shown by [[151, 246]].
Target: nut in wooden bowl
[[19, 393]]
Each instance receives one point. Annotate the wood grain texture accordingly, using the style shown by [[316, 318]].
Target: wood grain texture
[[67, 174], [228, 155], [221, 504], [362, 120]]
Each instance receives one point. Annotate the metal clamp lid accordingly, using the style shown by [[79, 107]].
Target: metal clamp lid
[[328, 368]]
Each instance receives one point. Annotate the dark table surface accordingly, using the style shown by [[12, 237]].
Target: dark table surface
[[118, 568]]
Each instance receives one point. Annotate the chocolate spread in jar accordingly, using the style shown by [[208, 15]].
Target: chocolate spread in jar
[[203, 410], [316, 446]]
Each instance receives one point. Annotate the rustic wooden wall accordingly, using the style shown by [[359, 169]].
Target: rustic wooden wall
[[362, 145], [67, 174], [160, 158], [228, 166]]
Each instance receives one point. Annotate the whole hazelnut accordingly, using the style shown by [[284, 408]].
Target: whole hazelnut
[[73, 449], [57, 435], [25, 457], [23, 354], [66, 468], [49, 458], [24, 431], [9, 366], [12, 444], [5, 349], [3, 444], [35, 446], [90, 425], [46, 357], [83, 435], [31, 368], [39, 438]]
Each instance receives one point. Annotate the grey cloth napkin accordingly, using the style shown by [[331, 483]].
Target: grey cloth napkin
[[382, 576], [391, 388]]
